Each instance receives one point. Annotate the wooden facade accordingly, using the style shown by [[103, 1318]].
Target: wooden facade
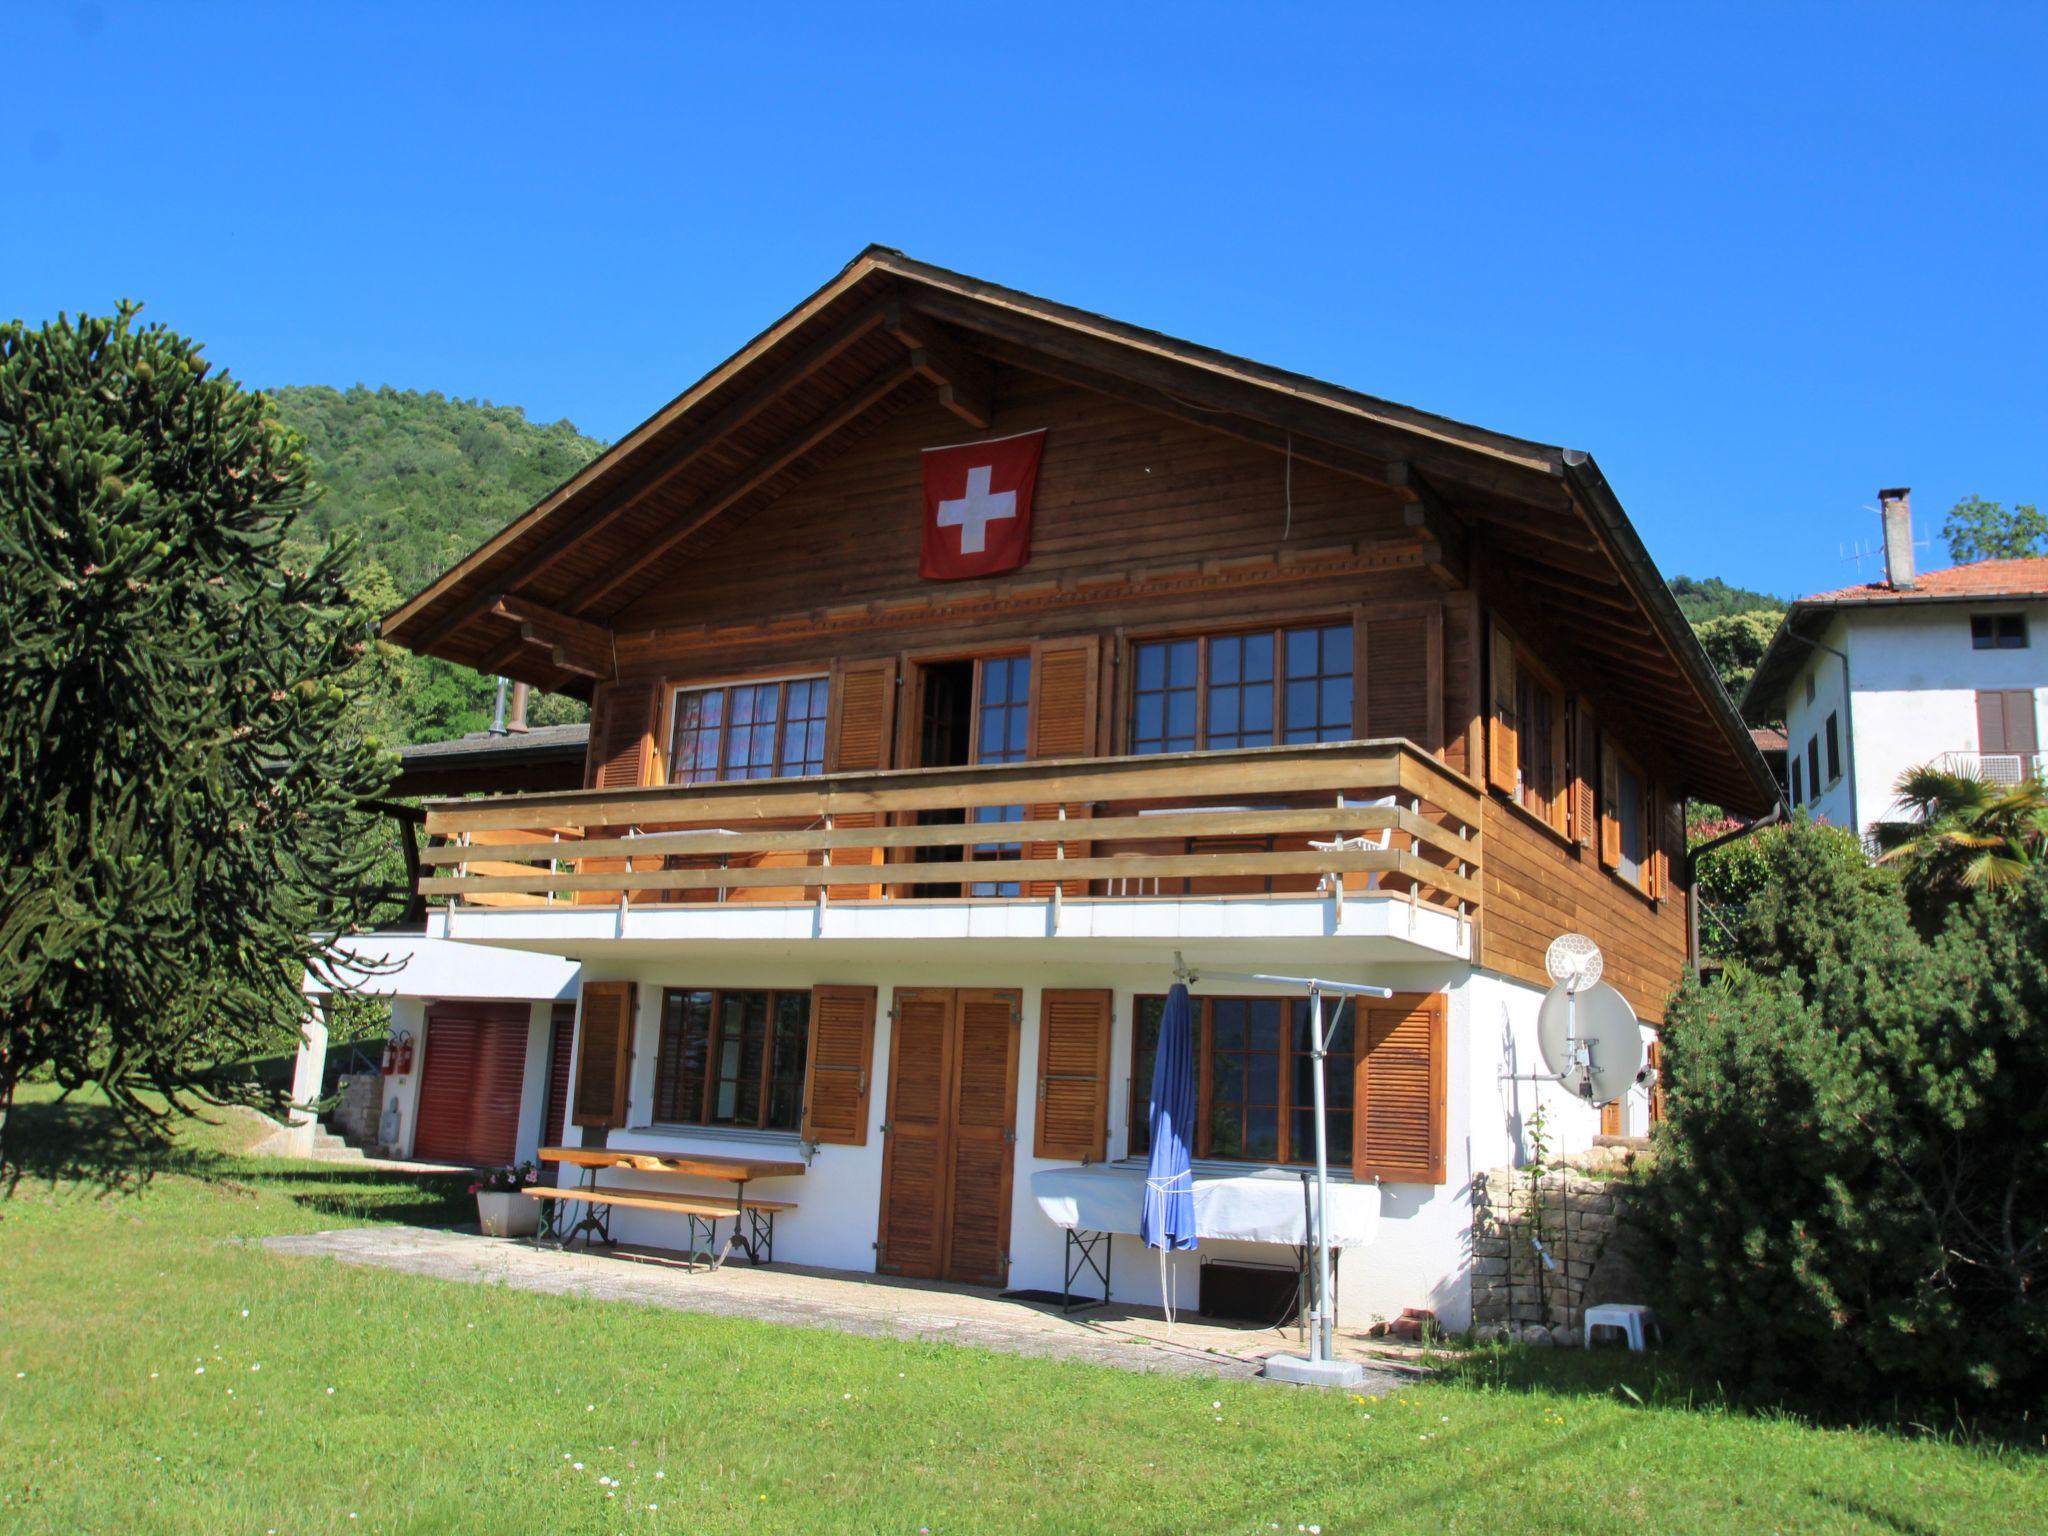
[[764, 530]]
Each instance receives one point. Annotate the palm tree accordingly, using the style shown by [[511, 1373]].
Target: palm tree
[[1964, 833]]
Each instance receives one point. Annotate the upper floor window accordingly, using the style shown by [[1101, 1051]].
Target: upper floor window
[[1998, 631], [732, 1058], [1798, 789], [1253, 689], [1628, 821], [1834, 735], [749, 731], [1529, 757]]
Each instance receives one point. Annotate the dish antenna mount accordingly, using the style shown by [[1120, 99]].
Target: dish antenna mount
[[1587, 1032]]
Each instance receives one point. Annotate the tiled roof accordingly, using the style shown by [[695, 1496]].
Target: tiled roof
[[1768, 738], [1985, 578]]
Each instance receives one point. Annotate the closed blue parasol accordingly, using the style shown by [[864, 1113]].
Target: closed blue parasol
[[1168, 1220]]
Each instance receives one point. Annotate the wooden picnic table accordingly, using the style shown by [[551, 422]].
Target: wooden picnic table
[[753, 1221]]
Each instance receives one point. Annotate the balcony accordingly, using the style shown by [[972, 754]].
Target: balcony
[[1373, 839], [2008, 768]]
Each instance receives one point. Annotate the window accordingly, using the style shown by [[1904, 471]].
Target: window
[[1834, 735], [1798, 798], [1998, 631], [1813, 766], [731, 1058], [1220, 691], [1002, 734], [1527, 756], [1633, 823], [749, 731], [1809, 687], [1256, 1102]]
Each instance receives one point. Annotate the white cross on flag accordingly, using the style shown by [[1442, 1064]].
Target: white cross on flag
[[977, 506]]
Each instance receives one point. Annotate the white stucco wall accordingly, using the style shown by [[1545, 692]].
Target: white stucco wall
[[1916, 678], [1419, 1258]]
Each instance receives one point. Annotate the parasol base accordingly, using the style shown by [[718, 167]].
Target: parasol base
[[1314, 1373]]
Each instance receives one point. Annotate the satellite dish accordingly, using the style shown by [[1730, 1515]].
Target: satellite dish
[[1573, 961], [1591, 1041]]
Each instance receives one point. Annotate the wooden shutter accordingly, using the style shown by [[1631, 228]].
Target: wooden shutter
[[1669, 831], [838, 1065], [862, 726], [981, 1147], [1503, 750], [1398, 667], [921, 1040], [1073, 1075], [1398, 1114], [619, 737], [1065, 676], [2005, 721], [1610, 806], [604, 1053], [1585, 818]]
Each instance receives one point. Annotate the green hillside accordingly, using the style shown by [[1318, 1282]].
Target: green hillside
[[422, 480], [1713, 598]]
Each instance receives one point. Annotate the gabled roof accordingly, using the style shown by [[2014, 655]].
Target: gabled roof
[[1982, 581], [542, 758], [537, 601]]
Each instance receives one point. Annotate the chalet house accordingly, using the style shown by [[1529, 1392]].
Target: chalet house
[[1921, 668], [957, 660]]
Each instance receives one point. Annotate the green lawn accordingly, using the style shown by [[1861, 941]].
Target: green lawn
[[156, 1374]]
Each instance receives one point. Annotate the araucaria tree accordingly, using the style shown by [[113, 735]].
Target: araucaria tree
[[179, 823]]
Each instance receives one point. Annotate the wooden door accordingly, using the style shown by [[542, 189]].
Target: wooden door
[[948, 1166]]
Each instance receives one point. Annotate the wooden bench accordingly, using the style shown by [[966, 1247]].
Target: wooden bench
[[753, 1220]]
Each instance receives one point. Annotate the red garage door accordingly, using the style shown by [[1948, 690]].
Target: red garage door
[[470, 1081]]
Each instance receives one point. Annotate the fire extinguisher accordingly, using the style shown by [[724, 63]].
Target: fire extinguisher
[[404, 1054], [397, 1054], [390, 1064]]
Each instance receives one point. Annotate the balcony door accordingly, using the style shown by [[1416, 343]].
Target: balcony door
[[950, 1140], [973, 710]]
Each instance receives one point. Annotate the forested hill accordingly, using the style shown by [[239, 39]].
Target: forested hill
[[1713, 598], [423, 478]]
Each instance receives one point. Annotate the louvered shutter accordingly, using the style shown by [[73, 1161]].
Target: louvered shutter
[[1503, 750], [1398, 667], [838, 1065], [561, 1056], [1398, 1115], [1065, 675], [604, 1053], [1585, 826], [621, 726], [914, 1155], [981, 1151], [1073, 1074], [862, 728], [1610, 807]]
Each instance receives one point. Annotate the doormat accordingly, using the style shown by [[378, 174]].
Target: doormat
[[1036, 1298]]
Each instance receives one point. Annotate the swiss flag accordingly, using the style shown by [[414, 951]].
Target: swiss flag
[[977, 506]]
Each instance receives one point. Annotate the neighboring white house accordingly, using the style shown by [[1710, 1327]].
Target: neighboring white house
[[1943, 667]]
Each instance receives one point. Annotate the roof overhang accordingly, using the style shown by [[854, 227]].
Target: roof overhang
[[543, 599]]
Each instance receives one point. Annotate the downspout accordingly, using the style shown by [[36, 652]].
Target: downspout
[[1848, 721], [1692, 875]]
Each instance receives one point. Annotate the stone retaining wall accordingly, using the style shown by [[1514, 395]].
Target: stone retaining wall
[[1577, 1216]]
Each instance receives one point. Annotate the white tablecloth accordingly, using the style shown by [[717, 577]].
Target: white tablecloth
[[1261, 1207]]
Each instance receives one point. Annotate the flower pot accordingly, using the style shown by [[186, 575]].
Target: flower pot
[[507, 1213]]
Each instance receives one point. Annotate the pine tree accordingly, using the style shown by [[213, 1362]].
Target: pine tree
[[180, 831]]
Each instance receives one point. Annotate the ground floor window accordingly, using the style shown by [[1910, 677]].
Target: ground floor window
[[731, 1058], [1255, 1089]]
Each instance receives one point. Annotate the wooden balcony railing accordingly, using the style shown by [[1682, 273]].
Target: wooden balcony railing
[[1357, 817]]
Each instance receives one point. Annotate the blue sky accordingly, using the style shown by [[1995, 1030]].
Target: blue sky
[[1760, 263]]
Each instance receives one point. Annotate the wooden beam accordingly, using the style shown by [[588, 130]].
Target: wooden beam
[[1446, 545], [967, 385], [757, 474], [715, 429], [1290, 408], [575, 645]]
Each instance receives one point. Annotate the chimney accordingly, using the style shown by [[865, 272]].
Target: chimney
[[1897, 505], [517, 724]]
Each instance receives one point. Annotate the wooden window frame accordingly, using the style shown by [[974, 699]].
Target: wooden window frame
[[672, 693], [1612, 760], [1988, 632], [714, 1038], [1127, 641], [1509, 737], [1284, 1108]]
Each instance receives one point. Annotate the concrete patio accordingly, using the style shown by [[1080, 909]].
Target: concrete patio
[[1126, 1337]]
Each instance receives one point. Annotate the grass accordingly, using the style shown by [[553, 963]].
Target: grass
[[158, 1373]]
